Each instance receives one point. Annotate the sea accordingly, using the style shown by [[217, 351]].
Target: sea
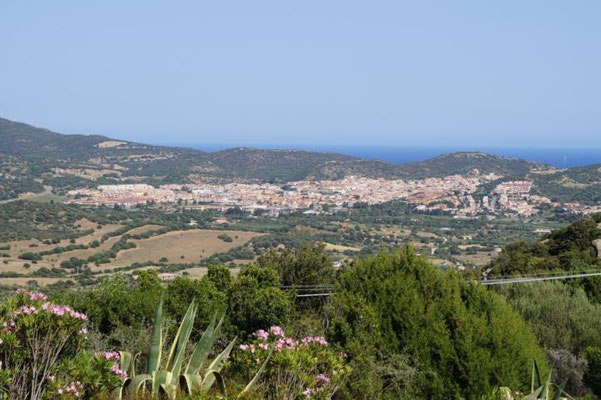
[[561, 158]]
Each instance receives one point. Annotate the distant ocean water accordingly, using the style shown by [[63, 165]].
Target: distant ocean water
[[562, 158]]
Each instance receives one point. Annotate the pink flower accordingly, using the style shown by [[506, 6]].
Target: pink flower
[[277, 331], [315, 339], [261, 334], [109, 355], [37, 296], [119, 372], [243, 347], [321, 378], [307, 392]]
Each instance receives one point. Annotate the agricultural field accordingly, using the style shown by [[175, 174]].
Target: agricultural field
[[182, 246], [23, 261]]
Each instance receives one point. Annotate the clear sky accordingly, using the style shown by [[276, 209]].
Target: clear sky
[[325, 72]]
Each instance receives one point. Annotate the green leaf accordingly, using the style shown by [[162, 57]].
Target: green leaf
[[559, 392], [135, 384], [253, 382], [216, 366], [203, 347], [220, 381], [161, 380], [193, 383], [544, 394], [534, 395], [126, 364], [156, 341], [181, 341]]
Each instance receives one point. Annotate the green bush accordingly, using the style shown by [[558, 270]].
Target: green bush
[[464, 339]]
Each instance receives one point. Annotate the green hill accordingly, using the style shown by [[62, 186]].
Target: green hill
[[582, 184], [50, 149]]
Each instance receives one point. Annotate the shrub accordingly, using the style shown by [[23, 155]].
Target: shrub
[[40, 347], [298, 368], [465, 338]]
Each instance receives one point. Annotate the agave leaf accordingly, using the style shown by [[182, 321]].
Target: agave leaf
[[125, 362], [192, 382], [217, 377], [559, 392], [536, 380], [216, 366], [534, 395], [218, 362], [544, 394], [161, 380], [182, 341], [169, 389], [203, 347], [179, 336], [253, 382], [135, 384], [156, 341]]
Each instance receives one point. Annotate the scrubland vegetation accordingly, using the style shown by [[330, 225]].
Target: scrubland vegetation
[[394, 327]]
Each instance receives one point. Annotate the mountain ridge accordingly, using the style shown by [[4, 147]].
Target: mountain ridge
[[39, 145]]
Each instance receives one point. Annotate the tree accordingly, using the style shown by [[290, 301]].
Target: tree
[[309, 265], [592, 376], [256, 301], [464, 339], [181, 291], [220, 276], [561, 317]]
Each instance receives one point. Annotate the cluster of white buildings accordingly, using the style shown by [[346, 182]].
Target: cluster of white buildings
[[450, 194]]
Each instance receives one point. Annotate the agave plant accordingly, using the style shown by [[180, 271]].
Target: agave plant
[[192, 375], [539, 389]]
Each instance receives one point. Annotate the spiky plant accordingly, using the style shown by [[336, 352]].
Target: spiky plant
[[539, 389], [192, 375]]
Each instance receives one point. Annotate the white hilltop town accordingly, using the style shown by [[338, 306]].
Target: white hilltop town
[[452, 194]]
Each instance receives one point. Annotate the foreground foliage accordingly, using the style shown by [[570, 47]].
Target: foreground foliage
[[460, 339]]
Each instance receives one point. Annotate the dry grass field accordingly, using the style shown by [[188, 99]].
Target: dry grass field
[[182, 246], [340, 248], [177, 247]]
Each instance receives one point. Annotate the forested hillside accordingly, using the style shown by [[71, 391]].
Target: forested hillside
[[28, 143]]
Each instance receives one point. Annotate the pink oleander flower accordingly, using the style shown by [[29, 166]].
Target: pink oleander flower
[[50, 378], [262, 334], [109, 355], [119, 372], [264, 346], [315, 339], [38, 296], [276, 331], [321, 378], [72, 389], [25, 310], [243, 347], [307, 392]]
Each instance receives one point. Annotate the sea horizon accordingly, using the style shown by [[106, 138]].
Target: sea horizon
[[560, 158]]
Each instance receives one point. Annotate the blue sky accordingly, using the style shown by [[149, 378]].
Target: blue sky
[[417, 73]]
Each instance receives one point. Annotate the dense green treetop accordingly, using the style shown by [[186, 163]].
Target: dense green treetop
[[463, 338]]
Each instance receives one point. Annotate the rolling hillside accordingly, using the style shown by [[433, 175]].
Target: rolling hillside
[[41, 149]]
